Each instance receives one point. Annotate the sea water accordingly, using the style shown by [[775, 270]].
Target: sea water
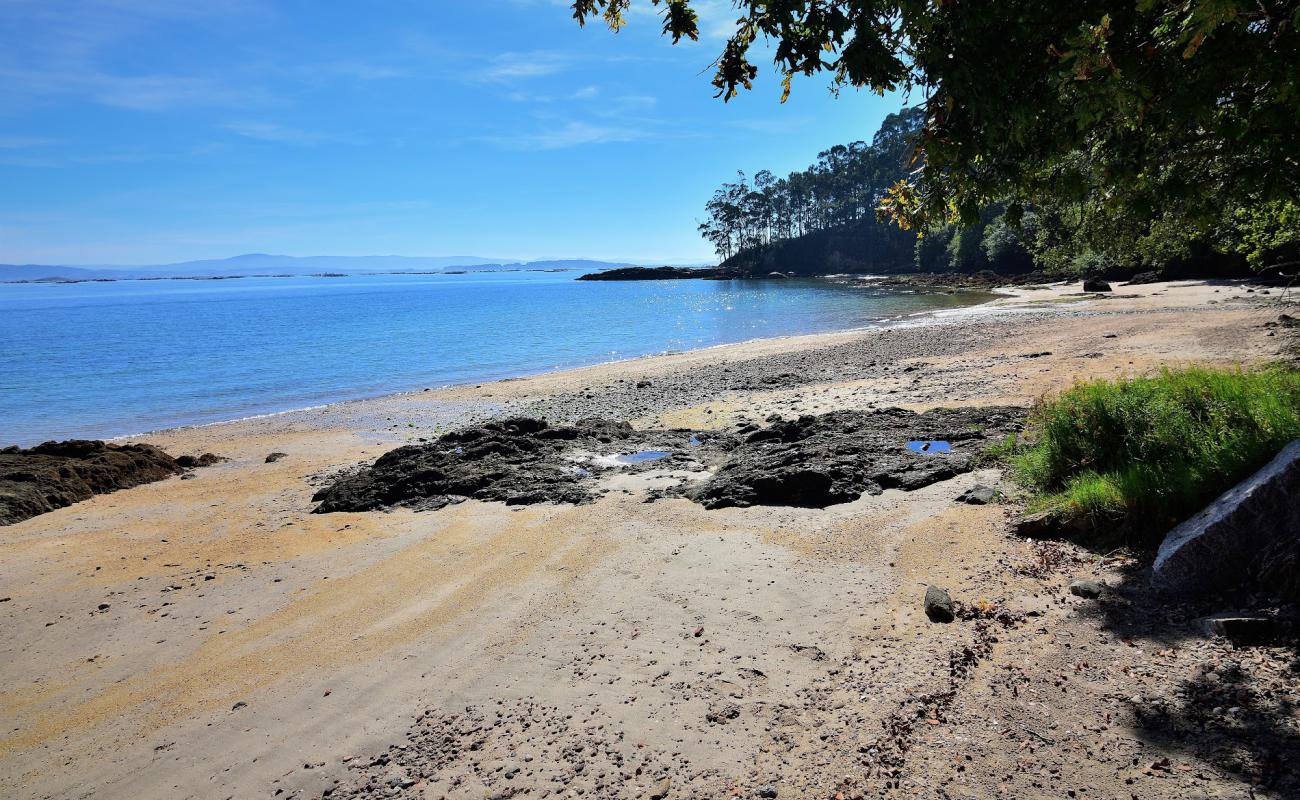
[[125, 357]]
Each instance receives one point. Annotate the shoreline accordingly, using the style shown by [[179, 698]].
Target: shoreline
[[213, 636], [935, 316]]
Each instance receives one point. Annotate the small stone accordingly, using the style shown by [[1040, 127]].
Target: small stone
[[978, 495], [239, 705], [661, 789], [767, 791], [103, 606], [1088, 589], [274, 457], [938, 605], [721, 715]]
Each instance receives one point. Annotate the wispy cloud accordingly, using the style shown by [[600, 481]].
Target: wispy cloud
[[569, 134], [534, 64], [26, 142], [273, 132]]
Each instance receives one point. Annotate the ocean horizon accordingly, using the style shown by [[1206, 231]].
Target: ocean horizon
[[122, 358]]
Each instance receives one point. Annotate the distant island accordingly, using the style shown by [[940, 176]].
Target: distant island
[[262, 265], [655, 274]]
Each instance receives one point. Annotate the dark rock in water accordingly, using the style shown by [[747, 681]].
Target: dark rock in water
[[652, 274], [1096, 285], [1086, 589], [1247, 536], [57, 474], [518, 461], [978, 495], [777, 275], [1144, 278], [818, 461], [274, 457], [194, 462], [938, 605]]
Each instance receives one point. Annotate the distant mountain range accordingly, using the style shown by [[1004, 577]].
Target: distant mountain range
[[263, 264]]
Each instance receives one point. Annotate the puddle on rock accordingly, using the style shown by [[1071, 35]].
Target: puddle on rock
[[642, 456]]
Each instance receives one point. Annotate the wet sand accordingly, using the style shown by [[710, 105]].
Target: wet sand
[[623, 648]]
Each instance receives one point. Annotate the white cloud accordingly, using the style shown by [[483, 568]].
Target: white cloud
[[570, 134], [273, 132]]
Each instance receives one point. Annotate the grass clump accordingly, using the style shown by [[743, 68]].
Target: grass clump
[[1124, 461]]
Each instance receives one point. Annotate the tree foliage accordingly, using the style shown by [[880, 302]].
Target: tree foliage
[[843, 187], [1168, 112]]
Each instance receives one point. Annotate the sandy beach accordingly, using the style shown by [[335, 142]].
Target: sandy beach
[[624, 648]]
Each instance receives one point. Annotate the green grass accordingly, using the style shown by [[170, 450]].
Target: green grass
[[1124, 461]]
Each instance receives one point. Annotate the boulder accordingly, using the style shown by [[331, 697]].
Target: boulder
[[978, 495], [1143, 278], [274, 457], [1245, 630], [1220, 547], [938, 605], [1085, 589], [1096, 285]]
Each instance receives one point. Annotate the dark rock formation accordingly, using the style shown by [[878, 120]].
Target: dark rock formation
[[652, 274], [1250, 535], [1096, 285], [519, 461], [276, 456], [818, 461], [57, 474], [1144, 278]]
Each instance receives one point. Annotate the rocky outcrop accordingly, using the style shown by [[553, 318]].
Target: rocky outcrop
[[818, 461], [653, 274], [1249, 535], [518, 461], [57, 474], [1096, 285]]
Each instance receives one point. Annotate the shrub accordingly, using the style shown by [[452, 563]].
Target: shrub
[[1127, 460]]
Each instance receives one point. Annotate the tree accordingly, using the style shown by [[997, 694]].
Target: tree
[[842, 188], [1186, 110]]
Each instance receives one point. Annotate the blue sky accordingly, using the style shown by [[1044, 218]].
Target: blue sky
[[152, 131]]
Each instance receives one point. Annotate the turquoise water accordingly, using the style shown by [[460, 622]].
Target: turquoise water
[[109, 359]]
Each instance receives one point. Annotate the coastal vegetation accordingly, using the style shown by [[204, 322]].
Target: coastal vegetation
[[1123, 461], [1095, 137]]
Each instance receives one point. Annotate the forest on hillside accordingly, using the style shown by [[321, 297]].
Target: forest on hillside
[[827, 218]]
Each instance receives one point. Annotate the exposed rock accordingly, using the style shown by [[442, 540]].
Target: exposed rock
[[818, 461], [777, 275], [651, 274], [1096, 285], [57, 474], [274, 457], [1246, 630], [519, 461], [978, 495], [1144, 278], [195, 462], [938, 605], [1086, 589], [1221, 547]]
